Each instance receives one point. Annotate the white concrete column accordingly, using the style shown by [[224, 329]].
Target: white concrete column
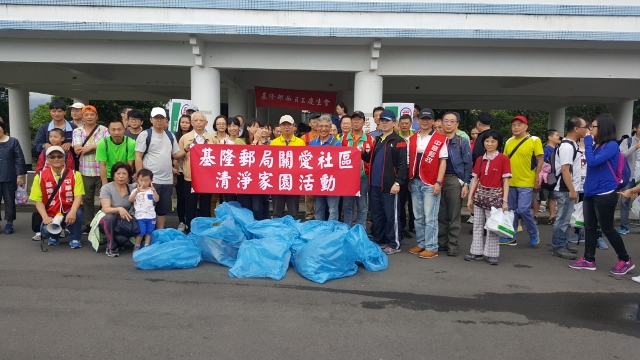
[[19, 121], [205, 92], [237, 101], [623, 116], [367, 92], [557, 120]]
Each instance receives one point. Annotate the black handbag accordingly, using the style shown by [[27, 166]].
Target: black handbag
[[126, 228], [36, 218]]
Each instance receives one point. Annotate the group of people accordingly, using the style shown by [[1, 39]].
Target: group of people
[[429, 164]]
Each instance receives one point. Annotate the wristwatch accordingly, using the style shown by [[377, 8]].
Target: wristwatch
[[439, 182], [395, 183]]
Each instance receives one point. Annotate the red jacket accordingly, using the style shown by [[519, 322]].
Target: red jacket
[[429, 165]]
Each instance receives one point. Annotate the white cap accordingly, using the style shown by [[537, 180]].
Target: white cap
[[54, 148], [287, 118], [191, 107], [77, 105], [158, 111]]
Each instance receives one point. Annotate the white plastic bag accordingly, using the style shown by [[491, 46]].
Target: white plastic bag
[[577, 218], [21, 194], [635, 206], [501, 223]]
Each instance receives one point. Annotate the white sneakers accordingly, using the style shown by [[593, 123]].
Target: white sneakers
[[636, 279], [182, 227]]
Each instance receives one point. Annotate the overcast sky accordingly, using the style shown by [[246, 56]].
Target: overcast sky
[[36, 99]]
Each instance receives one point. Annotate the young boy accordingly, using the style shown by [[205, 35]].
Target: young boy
[[145, 196], [56, 137]]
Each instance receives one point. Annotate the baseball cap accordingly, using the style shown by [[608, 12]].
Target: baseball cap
[[520, 118], [358, 114], [87, 108], [426, 113], [191, 107], [388, 115], [53, 149], [287, 118], [158, 111], [77, 105]]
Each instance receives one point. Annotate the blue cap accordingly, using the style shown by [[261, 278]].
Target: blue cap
[[388, 114]]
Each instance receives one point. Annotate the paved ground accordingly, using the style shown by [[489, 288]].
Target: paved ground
[[76, 304]]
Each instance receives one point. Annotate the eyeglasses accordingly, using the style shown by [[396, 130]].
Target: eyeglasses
[[449, 121], [585, 127], [594, 126], [55, 157]]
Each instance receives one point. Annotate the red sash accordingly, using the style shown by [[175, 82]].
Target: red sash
[[430, 162]]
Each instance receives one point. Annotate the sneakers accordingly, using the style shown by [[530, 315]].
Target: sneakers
[[182, 227], [623, 231], [86, 229], [390, 251], [470, 220], [63, 233], [137, 247], [416, 250], [507, 241], [519, 228], [622, 267], [563, 253], [534, 241], [452, 252], [492, 260], [574, 239], [8, 229], [471, 257], [636, 279], [572, 249], [37, 237], [75, 244], [53, 242], [601, 244], [552, 220], [428, 254], [583, 264], [112, 253]]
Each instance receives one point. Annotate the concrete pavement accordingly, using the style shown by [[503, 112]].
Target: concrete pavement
[[78, 304]]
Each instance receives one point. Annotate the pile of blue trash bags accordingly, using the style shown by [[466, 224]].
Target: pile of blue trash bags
[[317, 250]]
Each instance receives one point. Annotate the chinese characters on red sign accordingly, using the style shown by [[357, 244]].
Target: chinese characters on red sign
[[279, 170], [317, 101]]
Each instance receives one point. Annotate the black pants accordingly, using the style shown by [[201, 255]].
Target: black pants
[[8, 193], [107, 225], [384, 216], [292, 202], [599, 210], [195, 201], [180, 194], [404, 197]]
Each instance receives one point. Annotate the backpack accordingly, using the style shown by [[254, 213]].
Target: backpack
[[148, 140], [554, 174], [622, 173]]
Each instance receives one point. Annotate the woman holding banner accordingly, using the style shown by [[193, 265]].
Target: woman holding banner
[[258, 132]]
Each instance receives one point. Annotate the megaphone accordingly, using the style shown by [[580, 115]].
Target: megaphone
[[55, 228]]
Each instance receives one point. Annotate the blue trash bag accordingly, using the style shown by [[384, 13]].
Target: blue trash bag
[[167, 235], [309, 230], [218, 228], [242, 216], [258, 258], [324, 258], [369, 253], [217, 251], [178, 254], [267, 228]]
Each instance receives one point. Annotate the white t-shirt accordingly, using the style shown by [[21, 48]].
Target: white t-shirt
[[636, 168], [423, 142], [158, 159], [565, 157], [143, 204]]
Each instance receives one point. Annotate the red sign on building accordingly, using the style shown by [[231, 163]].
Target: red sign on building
[[276, 170], [316, 101]]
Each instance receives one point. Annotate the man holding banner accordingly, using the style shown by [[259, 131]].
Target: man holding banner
[[324, 203], [286, 139]]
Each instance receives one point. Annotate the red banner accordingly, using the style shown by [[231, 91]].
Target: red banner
[[276, 170], [316, 101]]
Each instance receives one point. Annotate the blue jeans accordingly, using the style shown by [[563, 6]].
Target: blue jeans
[[75, 228], [564, 209], [625, 205], [520, 203], [324, 202], [425, 209], [349, 202]]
